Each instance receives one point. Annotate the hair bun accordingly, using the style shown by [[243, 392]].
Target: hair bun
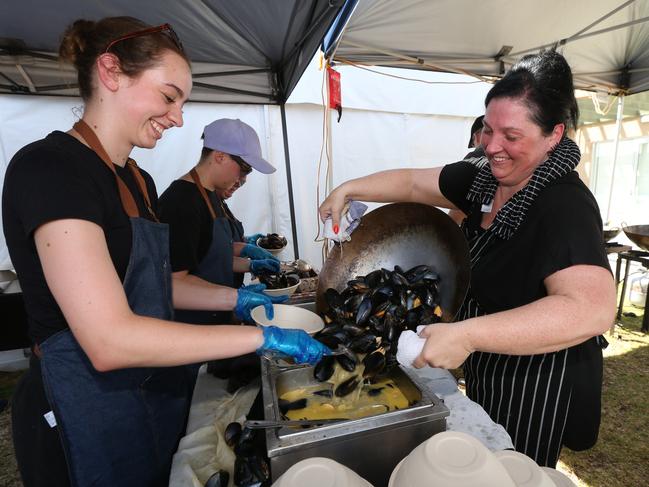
[[75, 40]]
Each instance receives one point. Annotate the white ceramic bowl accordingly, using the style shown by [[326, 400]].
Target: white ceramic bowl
[[283, 291], [560, 479], [287, 316], [523, 470], [450, 459], [320, 472], [272, 251]]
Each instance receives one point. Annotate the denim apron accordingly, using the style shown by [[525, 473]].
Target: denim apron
[[120, 427], [216, 265], [237, 236]]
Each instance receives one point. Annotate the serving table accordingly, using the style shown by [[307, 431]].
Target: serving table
[[202, 451]]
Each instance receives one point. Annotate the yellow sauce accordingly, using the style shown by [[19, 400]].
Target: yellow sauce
[[358, 404]]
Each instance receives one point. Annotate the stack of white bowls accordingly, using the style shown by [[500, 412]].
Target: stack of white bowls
[[455, 459], [320, 472], [448, 459]]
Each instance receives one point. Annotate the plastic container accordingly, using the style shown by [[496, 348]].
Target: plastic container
[[320, 472], [638, 284], [450, 459], [287, 316], [523, 470]]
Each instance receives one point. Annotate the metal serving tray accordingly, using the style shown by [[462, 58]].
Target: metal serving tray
[[370, 446]]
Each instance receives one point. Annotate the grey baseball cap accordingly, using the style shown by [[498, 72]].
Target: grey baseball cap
[[236, 138]]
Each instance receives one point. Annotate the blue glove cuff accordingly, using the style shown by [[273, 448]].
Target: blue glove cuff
[[246, 250], [272, 337]]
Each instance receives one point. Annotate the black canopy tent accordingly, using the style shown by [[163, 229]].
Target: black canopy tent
[[245, 51], [606, 42]]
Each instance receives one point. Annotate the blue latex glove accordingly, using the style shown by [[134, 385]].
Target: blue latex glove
[[252, 239], [294, 343], [255, 288], [255, 253], [248, 299], [264, 266]]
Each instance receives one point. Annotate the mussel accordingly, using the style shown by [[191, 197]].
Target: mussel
[[364, 343], [348, 359], [324, 369], [347, 386], [232, 433], [285, 406], [374, 363], [251, 470], [220, 478]]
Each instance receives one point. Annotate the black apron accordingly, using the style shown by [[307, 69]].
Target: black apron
[[216, 265], [120, 427], [534, 397], [237, 236]]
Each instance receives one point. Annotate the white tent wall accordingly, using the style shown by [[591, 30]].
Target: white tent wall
[[363, 142], [373, 135], [26, 119]]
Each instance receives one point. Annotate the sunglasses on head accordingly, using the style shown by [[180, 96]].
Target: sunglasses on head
[[243, 165], [164, 28]]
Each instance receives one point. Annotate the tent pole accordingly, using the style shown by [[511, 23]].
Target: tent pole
[[618, 130], [289, 181]]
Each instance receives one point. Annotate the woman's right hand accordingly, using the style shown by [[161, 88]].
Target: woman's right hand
[[333, 206]]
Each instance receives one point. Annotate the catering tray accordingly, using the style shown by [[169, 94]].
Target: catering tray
[[370, 446]]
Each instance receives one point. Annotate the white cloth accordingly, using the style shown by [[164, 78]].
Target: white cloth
[[203, 451], [409, 347], [349, 220], [466, 416]]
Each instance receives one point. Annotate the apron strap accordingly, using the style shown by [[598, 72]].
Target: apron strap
[[139, 179], [125, 195], [202, 191]]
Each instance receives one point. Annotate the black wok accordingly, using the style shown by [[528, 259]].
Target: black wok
[[405, 234], [639, 235]]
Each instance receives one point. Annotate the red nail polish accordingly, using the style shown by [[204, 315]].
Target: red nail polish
[[336, 229]]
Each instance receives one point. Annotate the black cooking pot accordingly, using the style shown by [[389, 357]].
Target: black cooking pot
[[404, 234], [639, 235]]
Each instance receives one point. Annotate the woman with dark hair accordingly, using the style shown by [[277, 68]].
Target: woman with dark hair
[[541, 290], [105, 399]]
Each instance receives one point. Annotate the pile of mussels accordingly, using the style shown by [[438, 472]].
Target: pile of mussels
[[364, 321], [279, 280], [251, 468], [272, 241]]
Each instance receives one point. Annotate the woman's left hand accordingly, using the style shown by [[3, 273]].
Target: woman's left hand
[[447, 346], [256, 253]]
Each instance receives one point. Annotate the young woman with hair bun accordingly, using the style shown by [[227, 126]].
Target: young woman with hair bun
[[105, 400]]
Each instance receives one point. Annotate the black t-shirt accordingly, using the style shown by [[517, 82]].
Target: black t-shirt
[[57, 178], [562, 228], [190, 223]]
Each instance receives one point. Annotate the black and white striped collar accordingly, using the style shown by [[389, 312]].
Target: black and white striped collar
[[563, 160]]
